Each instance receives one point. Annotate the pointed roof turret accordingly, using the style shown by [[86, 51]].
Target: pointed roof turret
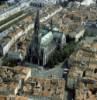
[[37, 23]]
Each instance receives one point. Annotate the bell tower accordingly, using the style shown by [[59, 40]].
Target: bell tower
[[33, 55]]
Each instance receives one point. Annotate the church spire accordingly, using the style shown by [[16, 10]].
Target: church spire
[[37, 23], [36, 36], [33, 51]]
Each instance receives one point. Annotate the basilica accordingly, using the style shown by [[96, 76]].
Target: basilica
[[44, 42]]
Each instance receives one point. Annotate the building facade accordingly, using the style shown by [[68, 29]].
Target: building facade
[[46, 2]]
